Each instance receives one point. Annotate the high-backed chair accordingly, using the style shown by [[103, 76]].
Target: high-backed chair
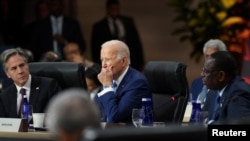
[[170, 90], [68, 74]]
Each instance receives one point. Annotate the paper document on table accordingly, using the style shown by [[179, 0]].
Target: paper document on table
[[188, 112]]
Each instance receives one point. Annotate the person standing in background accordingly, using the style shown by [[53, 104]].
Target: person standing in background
[[42, 12], [54, 32], [120, 27]]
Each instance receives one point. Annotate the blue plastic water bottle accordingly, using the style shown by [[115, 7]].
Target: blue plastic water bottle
[[25, 107], [195, 112], [147, 119], [25, 114]]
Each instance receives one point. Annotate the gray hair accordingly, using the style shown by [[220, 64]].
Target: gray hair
[[71, 110], [215, 43], [12, 52], [122, 48]]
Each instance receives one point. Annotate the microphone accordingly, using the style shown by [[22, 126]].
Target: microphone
[[174, 97]]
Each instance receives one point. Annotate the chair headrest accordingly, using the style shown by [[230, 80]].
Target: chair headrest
[[167, 76], [68, 74]]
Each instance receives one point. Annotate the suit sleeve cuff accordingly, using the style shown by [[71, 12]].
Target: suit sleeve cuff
[[105, 90]]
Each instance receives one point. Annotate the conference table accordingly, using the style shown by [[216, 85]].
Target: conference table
[[46, 136], [25, 136]]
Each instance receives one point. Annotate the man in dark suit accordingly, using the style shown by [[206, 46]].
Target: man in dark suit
[[116, 26], [52, 33], [198, 91], [39, 90], [123, 86], [232, 100]]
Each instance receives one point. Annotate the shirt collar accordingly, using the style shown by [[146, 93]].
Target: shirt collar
[[222, 90], [118, 81], [54, 18]]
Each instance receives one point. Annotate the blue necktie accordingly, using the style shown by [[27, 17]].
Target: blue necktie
[[216, 106], [114, 85]]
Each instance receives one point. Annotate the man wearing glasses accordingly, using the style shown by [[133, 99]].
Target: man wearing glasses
[[232, 93]]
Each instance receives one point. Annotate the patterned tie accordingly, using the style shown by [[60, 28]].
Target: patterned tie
[[22, 92], [114, 85]]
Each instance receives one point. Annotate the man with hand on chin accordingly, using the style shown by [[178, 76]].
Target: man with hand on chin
[[123, 86]]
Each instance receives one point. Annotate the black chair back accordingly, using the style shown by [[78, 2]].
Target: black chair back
[[68, 74], [170, 90]]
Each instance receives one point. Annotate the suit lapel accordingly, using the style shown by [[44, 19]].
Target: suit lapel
[[123, 83], [34, 91], [13, 101], [106, 24]]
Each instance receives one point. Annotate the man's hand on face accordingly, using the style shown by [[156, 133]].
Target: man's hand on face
[[106, 76]]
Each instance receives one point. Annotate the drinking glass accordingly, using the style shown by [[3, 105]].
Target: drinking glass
[[203, 117], [136, 113]]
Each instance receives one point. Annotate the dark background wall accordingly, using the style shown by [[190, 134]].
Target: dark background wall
[[154, 23], [153, 20]]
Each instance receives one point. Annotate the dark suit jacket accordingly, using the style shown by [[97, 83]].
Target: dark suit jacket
[[196, 88], [101, 33], [209, 104], [118, 106], [42, 90], [235, 101], [42, 40]]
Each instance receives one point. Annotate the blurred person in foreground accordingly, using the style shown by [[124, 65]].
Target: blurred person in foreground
[[70, 113], [39, 90], [123, 86], [220, 74], [198, 91]]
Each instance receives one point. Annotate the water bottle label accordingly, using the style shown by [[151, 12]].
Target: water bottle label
[[195, 112], [148, 114]]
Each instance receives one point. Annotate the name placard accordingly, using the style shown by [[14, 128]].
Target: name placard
[[10, 124], [188, 112]]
